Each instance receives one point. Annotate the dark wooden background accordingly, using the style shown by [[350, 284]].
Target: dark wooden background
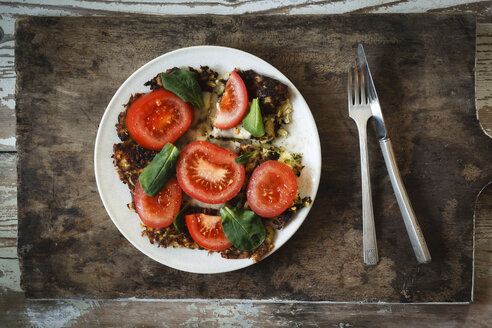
[[69, 68]]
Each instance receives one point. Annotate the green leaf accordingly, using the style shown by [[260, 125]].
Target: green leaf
[[243, 159], [184, 84], [253, 121], [179, 220], [156, 174], [243, 228]]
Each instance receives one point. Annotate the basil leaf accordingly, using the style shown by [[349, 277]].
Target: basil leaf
[[243, 228], [253, 121], [184, 84], [179, 220], [156, 174], [243, 159]]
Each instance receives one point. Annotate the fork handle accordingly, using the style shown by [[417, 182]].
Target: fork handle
[[368, 230], [414, 232]]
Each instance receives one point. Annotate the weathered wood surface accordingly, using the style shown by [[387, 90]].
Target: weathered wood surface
[[16, 311], [65, 237]]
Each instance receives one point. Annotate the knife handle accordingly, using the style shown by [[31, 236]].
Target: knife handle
[[413, 228]]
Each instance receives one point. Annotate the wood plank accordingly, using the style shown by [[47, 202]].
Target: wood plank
[[484, 77], [8, 206], [483, 219], [9, 263], [7, 119], [7, 85], [88, 7], [241, 313], [66, 215]]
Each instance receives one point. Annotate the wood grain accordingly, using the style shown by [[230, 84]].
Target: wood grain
[[94, 7], [16, 311], [484, 88], [483, 222], [59, 226], [242, 313], [8, 208]]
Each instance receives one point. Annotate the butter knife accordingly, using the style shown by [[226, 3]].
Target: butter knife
[[411, 224]]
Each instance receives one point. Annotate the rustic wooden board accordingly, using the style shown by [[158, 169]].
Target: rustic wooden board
[[68, 69]]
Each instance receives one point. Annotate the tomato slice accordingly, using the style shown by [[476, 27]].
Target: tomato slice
[[207, 231], [157, 118], [271, 189], [158, 211], [233, 105], [208, 173]]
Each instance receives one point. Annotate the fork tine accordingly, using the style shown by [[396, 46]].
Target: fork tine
[[356, 86], [349, 87], [362, 85]]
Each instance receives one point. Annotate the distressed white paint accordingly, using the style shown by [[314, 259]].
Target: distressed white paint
[[7, 228], [9, 276], [63, 315], [9, 142], [8, 211], [176, 7], [236, 302], [7, 253], [7, 83], [7, 79]]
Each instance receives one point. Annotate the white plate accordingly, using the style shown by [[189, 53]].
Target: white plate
[[115, 195]]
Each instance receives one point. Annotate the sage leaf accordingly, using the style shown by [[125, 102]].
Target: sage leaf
[[243, 159], [179, 220], [253, 121], [184, 84], [243, 228], [156, 174]]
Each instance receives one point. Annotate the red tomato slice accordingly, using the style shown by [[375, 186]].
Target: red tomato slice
[[271, 189], [208, 173], [157, 118], [158, 211], [207, 231], [233, 105]]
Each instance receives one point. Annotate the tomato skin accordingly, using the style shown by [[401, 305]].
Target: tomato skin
[[233, 105], [271, 189], [207, 231], [157, 118], [208, 173], [159, 211]]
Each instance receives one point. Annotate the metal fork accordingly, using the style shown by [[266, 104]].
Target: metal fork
[[360, 112]]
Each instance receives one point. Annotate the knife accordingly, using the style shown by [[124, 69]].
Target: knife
[[411, 224]]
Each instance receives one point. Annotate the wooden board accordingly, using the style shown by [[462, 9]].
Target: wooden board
[[68, 69]]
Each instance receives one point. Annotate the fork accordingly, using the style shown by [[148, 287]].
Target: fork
[[360, 112]]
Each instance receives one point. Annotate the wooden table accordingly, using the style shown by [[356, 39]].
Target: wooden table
[[15, 310]]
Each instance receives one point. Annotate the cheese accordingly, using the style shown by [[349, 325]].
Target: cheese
[[196, 203], [237, 132]]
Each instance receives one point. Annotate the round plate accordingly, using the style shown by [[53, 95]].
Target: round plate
[[303, 138]]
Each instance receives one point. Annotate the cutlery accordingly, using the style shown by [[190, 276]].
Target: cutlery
[[414, 232], [360, 112]]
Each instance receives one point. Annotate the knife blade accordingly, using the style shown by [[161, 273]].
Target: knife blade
[[372, 96], [411, 224]]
